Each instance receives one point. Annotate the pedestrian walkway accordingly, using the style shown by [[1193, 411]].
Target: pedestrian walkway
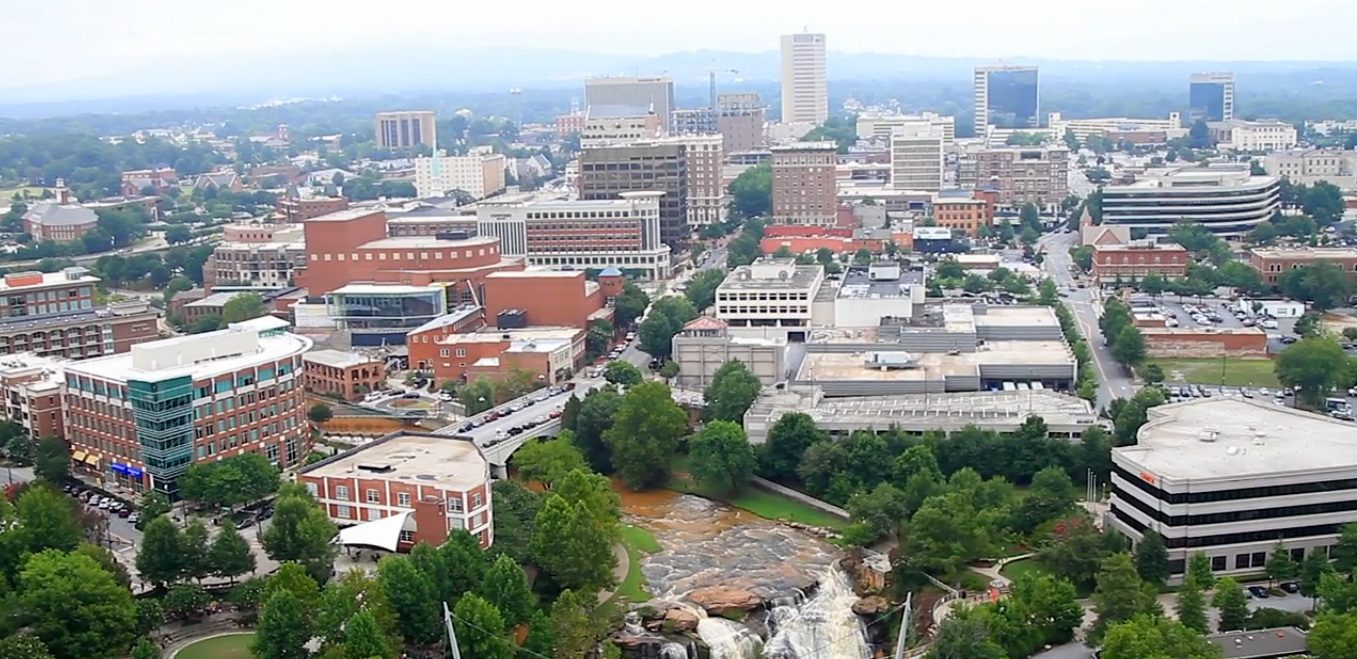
[[620, 570]]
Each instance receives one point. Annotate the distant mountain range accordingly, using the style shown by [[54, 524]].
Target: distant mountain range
[[419, 68]]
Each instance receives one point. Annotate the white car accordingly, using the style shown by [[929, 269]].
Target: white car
[[1268, 324]]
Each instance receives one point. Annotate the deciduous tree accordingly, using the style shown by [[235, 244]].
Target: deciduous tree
[[74, 606], [52, 460], [230, 555], [1152, 637], [480, 629], [301, 532], [1191, 608], [596, 414], [413, 599], [622, 373], [1152, 559], [1334, 636], [547, 462], [732, 390], [1120, 595], [788, 440], [506, 587], [568, 545], [645, 435], [1199, 572], [1233, 605], [1316, 365], [364, 637], [721, 458], [284, 628], [160, 558]]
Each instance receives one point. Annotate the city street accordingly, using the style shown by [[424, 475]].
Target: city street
[[1113, 382]]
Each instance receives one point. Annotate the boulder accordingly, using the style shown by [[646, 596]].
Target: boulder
[[719, 600], [679, 620], [872, 605]]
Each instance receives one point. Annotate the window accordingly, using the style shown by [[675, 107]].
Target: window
[[407, 536], [403, 499], [310, 487], [476, 500], [342, 492], [343, 512], [455, 504], [444, 352], [461, 352], [1217, 563], [372, 496]]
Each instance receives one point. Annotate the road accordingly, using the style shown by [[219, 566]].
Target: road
[[122, 531], [1113, 382]]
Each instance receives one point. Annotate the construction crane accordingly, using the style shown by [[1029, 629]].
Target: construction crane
[[711, 80]]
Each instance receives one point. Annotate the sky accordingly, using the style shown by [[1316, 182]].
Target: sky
[[56, 40]]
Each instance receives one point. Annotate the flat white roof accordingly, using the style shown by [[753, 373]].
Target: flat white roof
[[421, 459], [48, 279], [390, 289], [415, 242], [199, 356], [1228, 438], [337, 358]]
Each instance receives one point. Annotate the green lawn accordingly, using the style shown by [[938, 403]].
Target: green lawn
[[1032, 566], [231, 646], [638, 543], [1238, 372], [763, 503]]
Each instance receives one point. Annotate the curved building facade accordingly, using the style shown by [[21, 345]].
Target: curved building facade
[[1224, 201]]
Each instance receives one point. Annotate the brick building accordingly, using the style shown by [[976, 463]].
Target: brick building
[[963, 213], [59, 221], [255, 257], [32, 391], [546, 297], [1133, 261], [804, 189], [296, 209], [739, 120], [348, 374], [142, 418], [608, 171], [352, 246], [1039, 175], [136, 181], [550, 354], [436, 484], [1206, 342], [53, 314], [1273, 262], [430, 222]]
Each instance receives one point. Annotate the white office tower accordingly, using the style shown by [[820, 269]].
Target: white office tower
[[805, 92], [917, 156]]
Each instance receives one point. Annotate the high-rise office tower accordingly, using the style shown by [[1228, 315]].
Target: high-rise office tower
[[804, 188], [805, 93], [649, 93], [1006, 97], [1210, 97], [403, 130], [654, 166], [917, 156]]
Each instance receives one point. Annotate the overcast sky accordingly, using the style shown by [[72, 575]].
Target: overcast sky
[[49, 40]]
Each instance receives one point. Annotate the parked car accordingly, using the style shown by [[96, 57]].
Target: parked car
[[134, 517], [1290, 587], [1259, 592]]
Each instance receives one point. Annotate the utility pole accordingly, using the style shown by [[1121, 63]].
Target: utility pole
[[452, 635], [906, 626]]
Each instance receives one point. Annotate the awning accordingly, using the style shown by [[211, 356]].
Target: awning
[[384, 533], [78, 456], [92, 459]]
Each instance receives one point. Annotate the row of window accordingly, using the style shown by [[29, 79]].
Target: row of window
[[374, 495], [396, 256], [768, 309], [16, 300], [1237, 494], [751, 297], [1270, 535], [1235, 515]]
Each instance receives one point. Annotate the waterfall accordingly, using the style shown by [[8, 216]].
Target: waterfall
[[824, 627], [728, 639], [672, 650]]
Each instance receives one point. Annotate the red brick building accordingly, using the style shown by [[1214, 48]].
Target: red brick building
[[1207, 342], [347, 374], [300, 210], [1133, 261], [549, 353], [546, 298], [352, 246], [134, 182], [54, 314], [436, 484], [59, 221], [1272, 262], [804, 183], [966, 214], [32, 388]]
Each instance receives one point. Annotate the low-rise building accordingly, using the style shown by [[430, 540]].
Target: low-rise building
[[877, 125], [1241, 135], [771, 293], [705, 345], [53, 314], [1134, 261], [550, 354], [884, 290], [32, 388], [546, 297], [255, 257], [1273, 262], [1233, 478], [1019, 175], [382, 314], [1224, 199], [804, 191], [479, 174], [1117, 128], [58, 221], [1205, 342], [428, 485], [297, 209], [965, 214], [349, 375], [138, 181], [142, 418]]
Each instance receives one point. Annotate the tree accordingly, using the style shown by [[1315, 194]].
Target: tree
[[721, 458], [1338, 592], [572, 619], [516, 509], [598, 339], [1051, 495], [1323, 201], [301, 532], [1199, 572], [1312, 569], [1192, 608], [178, 234], [1152, 637], [541, 639], [294, 578], [284, 628], [622, 373], [645, 434], [629, 306], [413, 599], [701, 289], [876, 513], [146, 649], [506, 587], [1152, 559], [733, 389], [480, 629], [788, 440], [230, 554], [751, 193], [231, 482], [205, 323], [319, 413], [52, 460], [1324, 284], [1334, 636], [1280, 565], [26, 646], [47, 520], [669, 370], [1316, 365], [1047, 604], [1233, 605], [243, 306], [964, 637], [568, 544], [364, 637], [595, 417], [74, 606], [667, 316], [1120, 595], [478, 396], [1129, 346], [185, 601], [549, 461], [194, 559], [1345, 552], [160, 559]]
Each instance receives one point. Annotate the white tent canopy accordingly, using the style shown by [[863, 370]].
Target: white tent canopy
[[383, 533]]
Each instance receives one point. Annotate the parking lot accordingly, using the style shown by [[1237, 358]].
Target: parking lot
[[1226, 314]]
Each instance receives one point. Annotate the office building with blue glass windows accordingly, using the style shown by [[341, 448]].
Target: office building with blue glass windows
[[140, 419], [1210, 97], [1006, 97]]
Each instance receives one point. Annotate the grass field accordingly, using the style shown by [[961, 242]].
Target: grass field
[[1238, 372], [1032, 566], [230, 646], [638, 543]]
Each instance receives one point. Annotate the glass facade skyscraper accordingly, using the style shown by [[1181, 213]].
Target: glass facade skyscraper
[[1210, 97], [1007, 97]]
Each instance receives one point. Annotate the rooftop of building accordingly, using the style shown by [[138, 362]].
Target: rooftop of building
[[949, 409], [199, 356], [1305, 252], [346, 215], [51, 213], [492, 335], [416, 458], [852, 366], [387, 289], [805, 146], [1262, 643], [96, 315], [337, 358], [768, 273], [1229, 438], [1138, 246], [452, 317], [27, 364], [214, 300], [540, 345], [76, 275], [1194, 177], [537, 273], [429, 242]]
